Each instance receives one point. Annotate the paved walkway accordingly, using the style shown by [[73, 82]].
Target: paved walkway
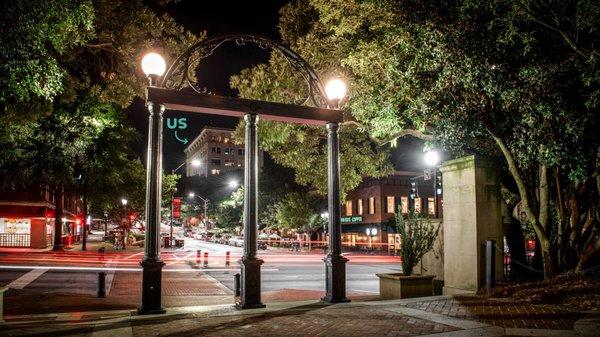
[[434, 316]]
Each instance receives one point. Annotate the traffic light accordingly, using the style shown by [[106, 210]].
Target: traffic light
[[413, 189], [78, 221], [438, 184]]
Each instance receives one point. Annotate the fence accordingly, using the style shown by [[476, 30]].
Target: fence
[[15, 240]]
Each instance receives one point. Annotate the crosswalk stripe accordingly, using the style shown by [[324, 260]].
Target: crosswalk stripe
[[27, 278]]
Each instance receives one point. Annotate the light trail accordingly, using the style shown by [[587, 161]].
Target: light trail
[[10, 267]]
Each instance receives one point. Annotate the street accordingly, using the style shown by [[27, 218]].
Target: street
[[286, 275]]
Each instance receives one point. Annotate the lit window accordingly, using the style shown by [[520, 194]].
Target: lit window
[[215, 171], [431, 206], [404, 201], [372, 205], [349, 207], [360, 207], [418, 205], [390, 204], [229, 163]]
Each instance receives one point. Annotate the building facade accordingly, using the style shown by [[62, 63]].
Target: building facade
[[369, 210], [27, 218], [217, 153]]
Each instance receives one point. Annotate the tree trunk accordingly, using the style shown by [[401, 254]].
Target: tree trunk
[[528, 207], [58, 193], [516, 244]]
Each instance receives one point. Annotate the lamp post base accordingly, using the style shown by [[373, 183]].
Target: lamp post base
[[249, 284], [335, 279], [151, 288]]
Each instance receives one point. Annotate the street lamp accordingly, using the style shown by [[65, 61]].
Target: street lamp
[[335, 263], [124, 203], [233, 183], [371, 232], [432, 158], [196, 163], [153, 66], [193, 195]]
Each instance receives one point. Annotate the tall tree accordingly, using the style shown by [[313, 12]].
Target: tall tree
[[517, 80], [79, 61]]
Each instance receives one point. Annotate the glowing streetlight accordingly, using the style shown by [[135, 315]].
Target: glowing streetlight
[[336, 91], [153, 64], [233, 183], [191, 194], [432, 158], [124, 201], [196, 163]]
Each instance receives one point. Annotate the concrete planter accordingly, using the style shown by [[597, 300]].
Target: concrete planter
[[396, 285]]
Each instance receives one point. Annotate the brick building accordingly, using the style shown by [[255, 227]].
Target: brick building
[[27, 218], [216, 151], [369, 210]]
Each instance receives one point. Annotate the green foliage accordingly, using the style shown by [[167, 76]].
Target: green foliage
[[229, 211], [34, 36], [417, 237], [300, 211]]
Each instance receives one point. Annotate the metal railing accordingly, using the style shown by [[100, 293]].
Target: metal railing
[[15, 240]]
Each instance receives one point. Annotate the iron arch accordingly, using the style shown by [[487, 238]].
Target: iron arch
[[181, 73]]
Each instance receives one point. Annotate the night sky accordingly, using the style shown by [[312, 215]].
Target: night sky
[[227, 17]]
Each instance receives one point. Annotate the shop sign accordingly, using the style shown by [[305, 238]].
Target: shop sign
[[349, 219], [15, 226]]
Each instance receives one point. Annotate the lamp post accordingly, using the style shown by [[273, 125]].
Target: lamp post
[[193, 195], [124, 203], [195, 163], [335, 263], [153, 66], [432, 158]]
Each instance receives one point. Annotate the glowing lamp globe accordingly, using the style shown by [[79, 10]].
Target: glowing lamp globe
[[192, 194], [153, 64], [233, 184], [335, 89], [432, 158], [196, 163]]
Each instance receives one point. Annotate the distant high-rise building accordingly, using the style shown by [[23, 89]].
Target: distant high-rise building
[[217, 153]]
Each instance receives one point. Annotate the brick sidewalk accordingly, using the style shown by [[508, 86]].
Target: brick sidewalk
[[438, 316]]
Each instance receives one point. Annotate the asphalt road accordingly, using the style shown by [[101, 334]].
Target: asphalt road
[[76, 273]]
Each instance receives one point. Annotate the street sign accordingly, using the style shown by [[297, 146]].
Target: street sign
[[176, 208]]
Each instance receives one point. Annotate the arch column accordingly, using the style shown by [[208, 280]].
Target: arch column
[[250, 282], [152, 263], [335, 263]]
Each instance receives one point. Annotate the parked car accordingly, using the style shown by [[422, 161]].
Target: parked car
[[236, 241], [215, 238]]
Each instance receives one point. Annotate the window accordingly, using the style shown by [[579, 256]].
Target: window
[[240, 152], [418, 205], [390, 204], [226, 140], [372, 205], [404, 201], [215, 161], [215, 171], [229, 162], [431, 206], [360, 206], [229, 151], [216, 149], [349, 208]]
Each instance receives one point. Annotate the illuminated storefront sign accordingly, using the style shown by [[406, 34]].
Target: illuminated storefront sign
[[15, 226], [349, 219]]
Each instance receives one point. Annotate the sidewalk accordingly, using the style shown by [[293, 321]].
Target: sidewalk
[[432, 316]]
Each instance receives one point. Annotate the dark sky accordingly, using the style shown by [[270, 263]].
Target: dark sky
[[216, 18]]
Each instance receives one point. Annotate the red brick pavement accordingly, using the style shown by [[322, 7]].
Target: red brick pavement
[[311, 320], [501, 313]]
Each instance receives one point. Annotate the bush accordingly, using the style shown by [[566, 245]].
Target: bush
[[417, 235]]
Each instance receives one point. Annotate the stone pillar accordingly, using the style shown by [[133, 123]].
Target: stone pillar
[[152, 263], [335, 263], [250, 276], [472, 215]]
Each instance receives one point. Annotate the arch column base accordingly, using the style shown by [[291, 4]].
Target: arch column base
[[335, 279]]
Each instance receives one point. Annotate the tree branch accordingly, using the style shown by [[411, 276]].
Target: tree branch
[[403, 133]]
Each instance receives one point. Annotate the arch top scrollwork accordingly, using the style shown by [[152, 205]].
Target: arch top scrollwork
[[181, 74]]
